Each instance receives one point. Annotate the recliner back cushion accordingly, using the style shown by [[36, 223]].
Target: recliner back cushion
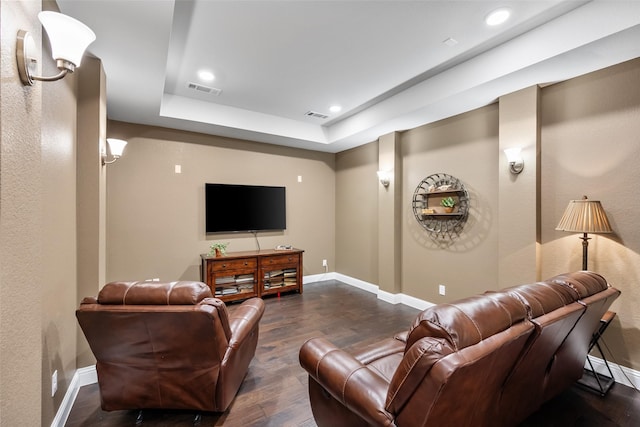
[[541, 297], [154, 293], [468, 321], [152, 349], [584, 283]]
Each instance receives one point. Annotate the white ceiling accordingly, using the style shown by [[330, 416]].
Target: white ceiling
[[384, 62]]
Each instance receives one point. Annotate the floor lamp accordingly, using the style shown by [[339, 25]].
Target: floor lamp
[[587, 216], [584, 216]]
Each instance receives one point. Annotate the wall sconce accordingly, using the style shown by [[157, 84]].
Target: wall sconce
[[384, 178], [69, 39], [516, 163], [116, 148]]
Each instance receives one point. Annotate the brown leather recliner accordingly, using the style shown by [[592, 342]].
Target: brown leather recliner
[[487, 360], [168, 345]]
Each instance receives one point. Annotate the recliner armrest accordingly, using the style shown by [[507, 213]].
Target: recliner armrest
[[349, 381], [89, 300], [380, 350], [243, 320]]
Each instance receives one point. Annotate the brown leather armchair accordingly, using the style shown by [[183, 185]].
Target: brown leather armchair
[[168, 345]]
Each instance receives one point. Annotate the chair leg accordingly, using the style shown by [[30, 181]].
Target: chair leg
[[139, 418]]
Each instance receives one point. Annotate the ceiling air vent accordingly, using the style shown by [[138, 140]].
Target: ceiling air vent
[[204, 89], [316, 115]]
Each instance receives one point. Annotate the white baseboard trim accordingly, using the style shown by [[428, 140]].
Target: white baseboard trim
[[357, 283], [83, 376], [415, 302], [385, 296], [621, 374], [318, 278]]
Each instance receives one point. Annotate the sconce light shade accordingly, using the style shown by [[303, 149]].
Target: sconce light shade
[[383, 176], [69, 39], [116, 148], [514, 157], [584, 216]]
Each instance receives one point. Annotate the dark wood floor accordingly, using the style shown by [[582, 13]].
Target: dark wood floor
[[274, 393]]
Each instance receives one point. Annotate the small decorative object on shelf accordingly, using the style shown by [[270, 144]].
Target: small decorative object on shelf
[[218, 249], [441, 205], [448, 203]]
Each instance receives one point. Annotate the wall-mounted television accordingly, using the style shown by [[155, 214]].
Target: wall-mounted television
[[237, 208]]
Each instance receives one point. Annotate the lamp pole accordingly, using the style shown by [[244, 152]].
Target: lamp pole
[[585, 244]]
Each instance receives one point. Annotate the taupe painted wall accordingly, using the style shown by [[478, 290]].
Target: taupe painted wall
[[465, 146], [155, 217], [357, 212], [591, 146], [21, 227]]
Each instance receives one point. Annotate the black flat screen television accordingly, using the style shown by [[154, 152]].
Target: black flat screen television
[[236, 208]]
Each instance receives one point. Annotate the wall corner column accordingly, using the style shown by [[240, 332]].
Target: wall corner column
[[389, 215], [91, 188], [519, 195]]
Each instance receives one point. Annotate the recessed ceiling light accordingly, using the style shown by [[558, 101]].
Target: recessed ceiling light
[[206, 75], [335, 108], [497, 17]]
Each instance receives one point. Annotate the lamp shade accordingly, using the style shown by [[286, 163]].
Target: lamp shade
[[584, 216], [116, 146], [69, 37]]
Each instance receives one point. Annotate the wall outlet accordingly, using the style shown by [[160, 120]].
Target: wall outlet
[[54, 383], [299, 178], [324, 262], [442, 289]]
